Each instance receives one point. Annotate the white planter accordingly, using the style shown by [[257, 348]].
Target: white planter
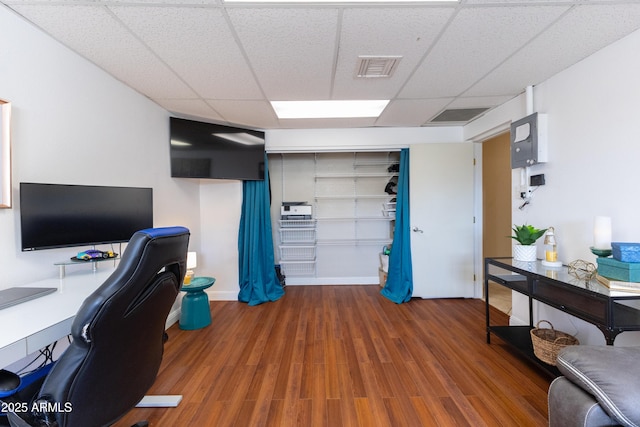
[[524, 253]]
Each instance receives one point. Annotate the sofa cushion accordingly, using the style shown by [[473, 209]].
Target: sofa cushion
[[610, 374]]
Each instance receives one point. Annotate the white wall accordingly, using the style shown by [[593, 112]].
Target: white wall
[[74, 124], [594, 147], [221, 204]]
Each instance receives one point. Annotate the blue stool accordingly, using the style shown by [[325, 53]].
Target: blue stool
[[196, 312]]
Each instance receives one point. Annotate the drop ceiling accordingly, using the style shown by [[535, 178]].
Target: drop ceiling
[[205, 60]]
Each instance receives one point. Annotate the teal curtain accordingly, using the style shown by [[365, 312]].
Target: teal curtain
[[258, 280], [399, 286]]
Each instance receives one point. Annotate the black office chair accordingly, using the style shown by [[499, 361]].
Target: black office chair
[[118, 336]]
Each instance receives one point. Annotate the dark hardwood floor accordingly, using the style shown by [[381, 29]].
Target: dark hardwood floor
[[345, 356]]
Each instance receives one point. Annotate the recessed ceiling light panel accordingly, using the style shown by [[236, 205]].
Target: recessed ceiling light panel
[[328, 109]]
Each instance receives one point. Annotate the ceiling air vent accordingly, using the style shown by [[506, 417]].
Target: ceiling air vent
[[458, 115], [376, 66]]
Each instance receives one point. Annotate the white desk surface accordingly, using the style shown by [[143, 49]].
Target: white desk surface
[[29, 326]]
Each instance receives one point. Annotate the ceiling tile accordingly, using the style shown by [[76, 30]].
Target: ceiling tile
[[411, 112], [194, 108], [475, 42], [408, 32], [581, 32], [479, 101], [292, 50], [260, 113], [208, 59], [94, 33], [519, 2]]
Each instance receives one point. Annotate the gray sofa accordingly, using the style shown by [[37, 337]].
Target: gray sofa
[[599, 387]]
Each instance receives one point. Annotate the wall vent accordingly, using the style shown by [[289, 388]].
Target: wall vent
[[376, 66]]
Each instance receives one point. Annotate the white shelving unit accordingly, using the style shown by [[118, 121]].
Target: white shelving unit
[[350, 188], [353, 215]]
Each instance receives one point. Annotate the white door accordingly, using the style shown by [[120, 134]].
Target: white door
[[441, 197]]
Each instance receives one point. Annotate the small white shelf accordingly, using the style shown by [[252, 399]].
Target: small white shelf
[[297, 235], [352, 242], [356, 218], [354, 175], [297, 253], [353, 196], [297, 223], [298, 268], [92, 262]]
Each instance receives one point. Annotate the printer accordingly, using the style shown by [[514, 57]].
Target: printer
[[295, 210]]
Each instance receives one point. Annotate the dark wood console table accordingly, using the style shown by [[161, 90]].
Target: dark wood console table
[[612, 312]]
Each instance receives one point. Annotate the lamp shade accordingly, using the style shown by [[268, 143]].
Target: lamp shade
[[602, 232], [191, 260]]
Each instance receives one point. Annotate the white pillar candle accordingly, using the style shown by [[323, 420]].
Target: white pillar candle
[[602, 232]]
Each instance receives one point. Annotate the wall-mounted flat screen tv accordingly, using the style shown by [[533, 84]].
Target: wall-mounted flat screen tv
[[206, 150], [59, 215]]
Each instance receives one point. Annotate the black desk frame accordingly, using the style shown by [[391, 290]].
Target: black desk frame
[[590, 301]]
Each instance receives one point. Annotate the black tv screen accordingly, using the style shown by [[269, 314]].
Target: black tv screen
[[206, 150], [59, 215]]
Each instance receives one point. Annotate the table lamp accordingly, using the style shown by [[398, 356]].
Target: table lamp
[[601, 236], [551, 253], [191, 264]]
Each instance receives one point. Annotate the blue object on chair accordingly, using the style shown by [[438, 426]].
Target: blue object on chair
[[195, 311], [9, 383], [12, 385], [118, 337]]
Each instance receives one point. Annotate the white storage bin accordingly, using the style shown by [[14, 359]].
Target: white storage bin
[[297, 223], [297, 253], [389, 209], [298, 268], [389, 206], [297, 235]]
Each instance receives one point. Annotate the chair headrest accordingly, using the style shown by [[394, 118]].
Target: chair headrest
[[164, 231]]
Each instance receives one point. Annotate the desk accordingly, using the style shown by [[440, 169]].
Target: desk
[[613, 312], [30, 326]]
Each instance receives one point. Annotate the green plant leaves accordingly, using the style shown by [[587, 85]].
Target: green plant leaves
[[527, 234]]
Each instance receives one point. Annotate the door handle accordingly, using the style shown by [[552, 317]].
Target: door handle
[[417, 230]]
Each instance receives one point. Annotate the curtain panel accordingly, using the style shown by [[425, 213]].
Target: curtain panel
[[399, 285], [258, 280]]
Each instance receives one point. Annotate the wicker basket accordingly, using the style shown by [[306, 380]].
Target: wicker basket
[[548, 342]]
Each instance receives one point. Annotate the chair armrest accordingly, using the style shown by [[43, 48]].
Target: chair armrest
[[571, 406], [610, 374]]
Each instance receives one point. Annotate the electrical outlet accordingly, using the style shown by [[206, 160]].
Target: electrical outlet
[[527, 194]]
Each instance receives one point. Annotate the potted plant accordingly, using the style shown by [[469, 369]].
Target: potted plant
[[526, 235]]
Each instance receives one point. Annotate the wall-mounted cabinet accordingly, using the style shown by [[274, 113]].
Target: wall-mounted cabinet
[[353, 211]]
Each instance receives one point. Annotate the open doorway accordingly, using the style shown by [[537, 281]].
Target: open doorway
[[496, 209]]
